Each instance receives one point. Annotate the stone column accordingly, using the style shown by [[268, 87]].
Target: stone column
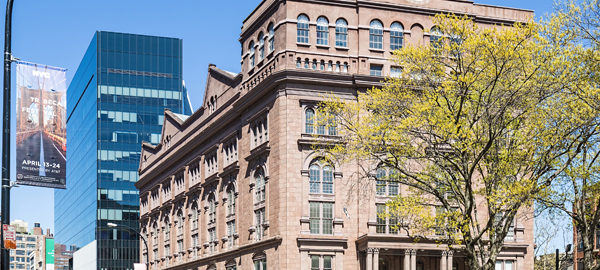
[[450, 263], [406, 260], [375, 259], [413, 259], [369, 260], [443, 260]]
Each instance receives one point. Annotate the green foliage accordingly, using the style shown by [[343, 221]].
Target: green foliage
[[477, 127]]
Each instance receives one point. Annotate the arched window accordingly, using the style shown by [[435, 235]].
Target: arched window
[[338, 66], [435, 37], [167, 230], [322, 66], [302, 29], [322, 31], [251, 49], [212, 209], [314, 64], [179, 222], [298, 63], [231, 200], [321, 177], [154, 234], [309, 120], [396, 36], [376, 35], [306, 63], [271, 30], [212, 267], [330, 66], [194, 217], [261, 46], [315, 122], [260, 262], [387, 181], [341, 33], [345, 70], [230, 265], [259, 181]]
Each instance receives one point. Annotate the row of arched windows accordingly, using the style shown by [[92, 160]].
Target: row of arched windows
[[269, 39], [341, 33]]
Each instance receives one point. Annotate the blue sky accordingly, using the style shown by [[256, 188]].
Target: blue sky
[[58, 32]]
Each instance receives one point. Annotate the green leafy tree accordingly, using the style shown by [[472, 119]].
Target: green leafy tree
[[476, 128]]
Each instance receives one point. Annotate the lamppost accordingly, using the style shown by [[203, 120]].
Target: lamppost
[[114, 225], [5, 211], [567, 249]]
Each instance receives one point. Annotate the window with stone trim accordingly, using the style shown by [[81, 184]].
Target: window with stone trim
[[231, 198], [230, 265], [194, 217], [321, 218], [386, 182], [302, 29], [194, 173], [376, 35], [230, 152], [341, 33], [504, 265], [259, 185], [212, 240], [396, 36], [321, 262], [212, 209], [259, 222], [321, 176], [386, 223], [260, 132], [167, 231], [179, 223], [435, 37], [271, 29], [322, 31], [210, 163], [261, 46], [318, 123], [251, 48], [231, 231], [260, 262]]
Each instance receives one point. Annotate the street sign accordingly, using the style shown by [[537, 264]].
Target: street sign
[[10, 237]]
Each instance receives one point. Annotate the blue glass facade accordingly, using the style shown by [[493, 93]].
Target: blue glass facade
[[115, 101]]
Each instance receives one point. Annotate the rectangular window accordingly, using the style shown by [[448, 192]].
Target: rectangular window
[[395, 72], [385, 222], [376, 70], [230, 232], [212, 239], [322, 34], [260, 220], [321, 218], [318, 262], [260, 264]]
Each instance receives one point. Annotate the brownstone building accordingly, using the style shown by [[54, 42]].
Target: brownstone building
[[238, 184]]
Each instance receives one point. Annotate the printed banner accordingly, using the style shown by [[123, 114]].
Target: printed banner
[[41, 125], [49, 253]]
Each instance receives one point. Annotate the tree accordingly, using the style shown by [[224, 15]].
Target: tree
[[477, 127], [577, 189]]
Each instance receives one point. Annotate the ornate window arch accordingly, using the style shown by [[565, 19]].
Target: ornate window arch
[[231, 265], [376, 35], [302, 29]]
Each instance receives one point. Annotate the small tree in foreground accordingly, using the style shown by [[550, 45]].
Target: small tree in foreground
[[477, 127]]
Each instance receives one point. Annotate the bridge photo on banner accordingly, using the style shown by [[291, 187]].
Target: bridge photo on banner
[[41, 125]]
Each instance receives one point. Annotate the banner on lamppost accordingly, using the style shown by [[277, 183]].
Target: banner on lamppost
[[49, 253], [41, 125]]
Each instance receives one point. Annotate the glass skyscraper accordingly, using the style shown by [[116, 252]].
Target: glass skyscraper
[[115, 101]]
